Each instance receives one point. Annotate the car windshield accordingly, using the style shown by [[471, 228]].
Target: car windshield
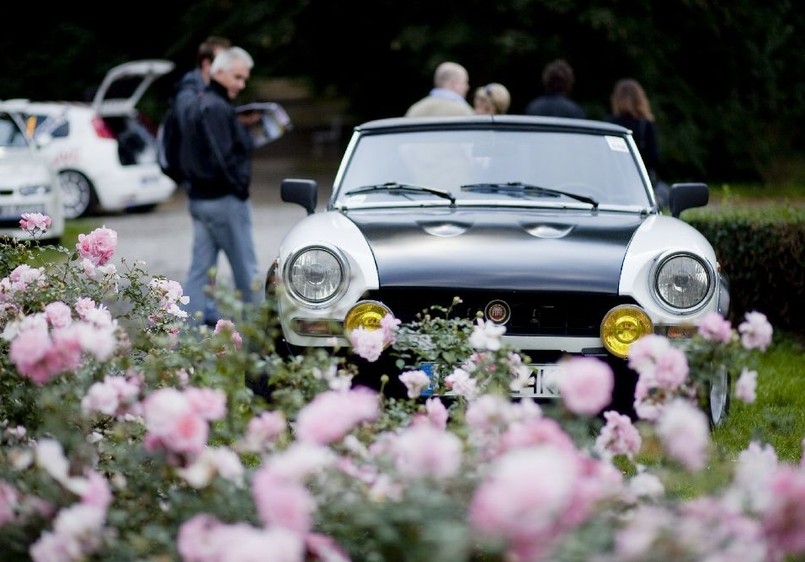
[[10, 134], [494, 166]]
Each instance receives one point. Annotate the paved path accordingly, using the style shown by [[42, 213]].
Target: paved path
[[162, 239]]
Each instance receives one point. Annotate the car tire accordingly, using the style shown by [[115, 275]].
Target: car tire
[[78, 195], [718, 397]]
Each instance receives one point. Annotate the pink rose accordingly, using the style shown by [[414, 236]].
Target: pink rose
[[98, 246], [756, 332], [586, 385], [32, 222], [715, 327]]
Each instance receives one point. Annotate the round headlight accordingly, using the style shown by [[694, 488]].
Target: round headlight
[[366, 315], [316, 274], [622, 326], [682, 282]]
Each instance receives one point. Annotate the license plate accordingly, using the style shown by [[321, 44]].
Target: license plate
[[543, 382], [12, 212]]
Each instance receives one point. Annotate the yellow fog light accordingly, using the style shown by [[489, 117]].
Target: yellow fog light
[[366, 315], [622, 326]]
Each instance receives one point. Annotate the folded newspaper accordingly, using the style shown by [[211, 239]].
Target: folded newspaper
[[273, 123]]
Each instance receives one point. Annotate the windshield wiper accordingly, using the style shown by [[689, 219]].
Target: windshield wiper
[[520, 188], [403, 189]]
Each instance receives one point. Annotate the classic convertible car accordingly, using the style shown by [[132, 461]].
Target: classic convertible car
[[547, 226]]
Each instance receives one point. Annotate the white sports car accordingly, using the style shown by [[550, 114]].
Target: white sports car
[[546, 226], [104, 152]]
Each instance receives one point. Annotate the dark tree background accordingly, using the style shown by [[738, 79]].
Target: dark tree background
[[726, 80]]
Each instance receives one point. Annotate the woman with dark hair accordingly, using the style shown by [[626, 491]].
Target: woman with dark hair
[[631, 109]]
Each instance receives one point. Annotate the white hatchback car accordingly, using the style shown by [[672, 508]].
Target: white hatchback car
[[104, 152], [27, 183]]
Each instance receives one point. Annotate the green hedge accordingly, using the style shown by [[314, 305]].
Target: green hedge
[[761, 248]]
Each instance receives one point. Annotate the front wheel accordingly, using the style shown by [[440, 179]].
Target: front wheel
[[718, 397], [78, 195]]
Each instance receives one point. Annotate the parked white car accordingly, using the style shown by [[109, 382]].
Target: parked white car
[[104, 152], [27, 183]]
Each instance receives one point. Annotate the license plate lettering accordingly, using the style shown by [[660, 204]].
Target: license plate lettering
[[543, 383]]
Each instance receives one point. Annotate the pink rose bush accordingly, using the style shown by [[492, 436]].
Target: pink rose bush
[[127, 434]]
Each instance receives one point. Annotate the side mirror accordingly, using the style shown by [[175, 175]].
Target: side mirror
[[301, 192], [687, 196]]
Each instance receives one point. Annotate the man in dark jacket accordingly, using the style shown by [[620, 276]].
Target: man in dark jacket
[[558, 79], [189, 87], [215, 157]]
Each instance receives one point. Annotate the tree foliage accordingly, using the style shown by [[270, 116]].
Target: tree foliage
[[726, 81]]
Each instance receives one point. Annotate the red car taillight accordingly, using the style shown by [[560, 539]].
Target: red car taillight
[[101, 128]]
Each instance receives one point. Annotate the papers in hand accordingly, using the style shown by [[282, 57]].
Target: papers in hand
[[273, 122]]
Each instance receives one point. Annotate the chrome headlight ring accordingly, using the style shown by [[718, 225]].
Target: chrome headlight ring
[[682, 282], [316, 275]]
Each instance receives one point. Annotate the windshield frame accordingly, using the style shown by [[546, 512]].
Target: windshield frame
[[548, 158]]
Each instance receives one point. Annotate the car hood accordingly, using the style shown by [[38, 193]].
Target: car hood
[[502, 249], [19, 166]]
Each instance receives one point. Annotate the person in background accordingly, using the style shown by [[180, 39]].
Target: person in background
[[448, 97], [558, 79], [631, 109], [216, 153], [191, 84], [492, 99]]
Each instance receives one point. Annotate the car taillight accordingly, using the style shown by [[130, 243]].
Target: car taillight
[[101, 128]]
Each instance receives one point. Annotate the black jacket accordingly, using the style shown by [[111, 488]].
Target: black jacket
[[555, 105], [645, 136], [216, 148]]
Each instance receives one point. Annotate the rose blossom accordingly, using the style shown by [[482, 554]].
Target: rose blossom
[[436, 412], [22, 277], [389, 326], [486, 336], [753, 471], [746, 386], [462, 384], [282, 502], [333, 414], [208, 403], [28, 350], [228, 327], [263, 430], [58, 314], [424, 451], [756, 332], [715, 327], [586, 385], [783, 519], [415, 382], [98, 246], [368, 344], [685, 433], [618, 437], [31, 222], [173, 423], [511, 504], [210, 462], [9, 499]]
